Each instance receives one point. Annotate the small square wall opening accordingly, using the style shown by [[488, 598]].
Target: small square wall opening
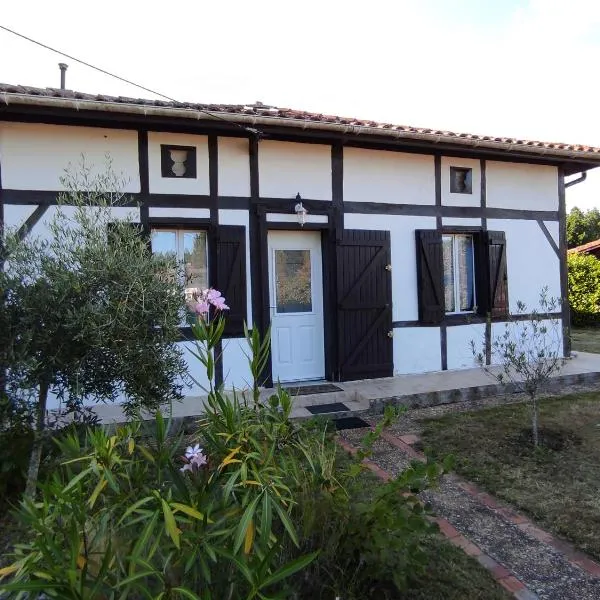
[[178, 161], [461, 180]]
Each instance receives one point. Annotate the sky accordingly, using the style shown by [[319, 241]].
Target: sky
[[519, 68]]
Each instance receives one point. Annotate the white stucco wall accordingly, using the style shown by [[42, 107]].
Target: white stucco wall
[[286, 169], [404, 258], [234, 167], [35, 156], [178, 185], [180, 213], [416, 350], [456, 221], [553, 338], [384, 176], [521, 186], [531, 261], [41, 228], [287, 218], [16, 214], [458, 344], [450, 199], [236, 372]]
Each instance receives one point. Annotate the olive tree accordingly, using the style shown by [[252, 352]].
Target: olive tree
[[528, 353], [87, 311]]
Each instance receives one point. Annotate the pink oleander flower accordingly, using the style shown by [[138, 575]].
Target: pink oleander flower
[[202, 308], [195, 458], [207, 298]]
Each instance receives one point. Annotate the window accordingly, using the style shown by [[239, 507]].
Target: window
[[189, 247], [459, 273], [461, 180]]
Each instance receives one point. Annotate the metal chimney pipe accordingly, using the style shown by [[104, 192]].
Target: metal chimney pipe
[[63, 72]]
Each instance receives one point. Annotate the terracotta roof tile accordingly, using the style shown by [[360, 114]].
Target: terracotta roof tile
[[585, 247], [259, 109]]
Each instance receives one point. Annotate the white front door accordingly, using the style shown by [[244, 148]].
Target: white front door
[[296, 301]]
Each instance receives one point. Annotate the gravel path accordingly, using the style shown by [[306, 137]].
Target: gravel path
[[545, 570]]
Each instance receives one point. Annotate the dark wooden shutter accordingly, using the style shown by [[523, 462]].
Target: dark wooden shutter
[[364, 305], [497, 273], [231, 276], [430, 275]]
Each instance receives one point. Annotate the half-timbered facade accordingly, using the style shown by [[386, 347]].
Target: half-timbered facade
[[410, 237]]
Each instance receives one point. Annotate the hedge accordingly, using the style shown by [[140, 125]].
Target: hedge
[[584, 289]]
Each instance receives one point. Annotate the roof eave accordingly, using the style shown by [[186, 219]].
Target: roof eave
[[583, 159]]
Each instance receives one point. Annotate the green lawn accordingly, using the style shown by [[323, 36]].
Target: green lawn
[[586, 339], [559, 488], [451, 574]]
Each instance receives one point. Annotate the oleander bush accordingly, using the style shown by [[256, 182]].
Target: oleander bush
[[252, 505]]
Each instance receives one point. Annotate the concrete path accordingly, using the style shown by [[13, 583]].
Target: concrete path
[[526, 560], [425, 389]]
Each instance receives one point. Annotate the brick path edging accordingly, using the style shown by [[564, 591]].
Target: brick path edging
[[499, 573], [573, 555]]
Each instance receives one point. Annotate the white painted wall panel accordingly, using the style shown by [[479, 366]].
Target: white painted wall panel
[[416, 350], [553, 229], [404, 258], [16, 214], [553, 337], [450, 199], [383, 176], [35, 156], [283, 218], [41, 229], [521, 186], [234, 167], [180, 213], [178, 185], [236, 372], [240, 217], [195, 369], [458, 340], [531, 261], [454, 221], [286, 169]]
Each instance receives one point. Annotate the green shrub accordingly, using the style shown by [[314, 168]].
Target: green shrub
[[584, 289], [263, 510]]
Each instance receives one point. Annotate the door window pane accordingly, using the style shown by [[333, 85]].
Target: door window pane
[[448, 258], [293, 281], [464, 249]]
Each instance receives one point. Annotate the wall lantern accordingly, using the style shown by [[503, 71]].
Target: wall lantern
[[301, 212]]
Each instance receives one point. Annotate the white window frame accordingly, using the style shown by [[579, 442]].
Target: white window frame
[[455, 273]]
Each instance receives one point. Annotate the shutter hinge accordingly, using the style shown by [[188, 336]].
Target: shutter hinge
[[390, 333], [388, 267]]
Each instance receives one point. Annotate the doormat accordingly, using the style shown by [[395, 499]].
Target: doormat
[[320, 409], [349, 423], [305, 390]]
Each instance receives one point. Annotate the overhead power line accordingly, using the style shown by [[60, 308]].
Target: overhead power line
[[123, 79]]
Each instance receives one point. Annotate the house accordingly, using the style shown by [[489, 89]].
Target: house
[[372, 249], [592, 248]]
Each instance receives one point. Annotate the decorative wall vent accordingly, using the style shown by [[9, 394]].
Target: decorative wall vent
[[461, 180], [178, 161]]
